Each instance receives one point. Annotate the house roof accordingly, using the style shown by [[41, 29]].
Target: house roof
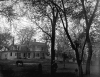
[[15, 46], [37, 43], [34, 44], [15, 51], [23, 48], [10, 51]]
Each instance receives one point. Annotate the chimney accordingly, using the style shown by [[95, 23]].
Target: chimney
[[13, 41]]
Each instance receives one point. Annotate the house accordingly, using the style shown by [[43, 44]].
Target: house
[[34, 50], [10, 55], [9, 52]]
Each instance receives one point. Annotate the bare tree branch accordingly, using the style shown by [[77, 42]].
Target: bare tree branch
[[84, 10], [83, 49], [49, 18], [42, 29], [57, 6], [91, 19]]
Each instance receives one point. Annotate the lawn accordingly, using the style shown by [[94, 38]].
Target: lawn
[[30, 69]]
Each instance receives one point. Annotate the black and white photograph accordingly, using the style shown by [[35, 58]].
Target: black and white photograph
[[49, 38]]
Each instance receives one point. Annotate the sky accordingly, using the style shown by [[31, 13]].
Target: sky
[[21, 22], [16, 25]]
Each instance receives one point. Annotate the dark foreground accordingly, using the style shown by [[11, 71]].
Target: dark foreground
[[30, 69], [7, 70]]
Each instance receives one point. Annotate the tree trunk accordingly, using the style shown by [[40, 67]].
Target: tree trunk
[[53, 42], [79, 63], [88, 67], [52, 49], [80, 70], [89, 57], [64, 63]]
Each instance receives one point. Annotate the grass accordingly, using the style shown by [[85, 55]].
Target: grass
[[29, 71], [9, 69]]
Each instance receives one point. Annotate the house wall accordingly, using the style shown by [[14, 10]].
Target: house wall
[[32, 55], [4, 55], [29, 55], [37, 54], [37, 51], [37, 48], [12, 55], [25, 55], [21, 55], [8, 55]]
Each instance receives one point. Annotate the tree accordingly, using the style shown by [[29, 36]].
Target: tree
[[82, 13], [9, 11], [64, 55], [45, 27], [65, 9], [25, 35], [53, 16], [88, 18], [40, 7], [89, 22], [64, 13], [5, 40], [62, 43]]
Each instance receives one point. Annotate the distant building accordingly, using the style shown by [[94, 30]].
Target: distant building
[[34, 50]]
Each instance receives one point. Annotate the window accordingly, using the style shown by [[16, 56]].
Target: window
[[37, 54], [24, 55], [28, 55], [11, 54]]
